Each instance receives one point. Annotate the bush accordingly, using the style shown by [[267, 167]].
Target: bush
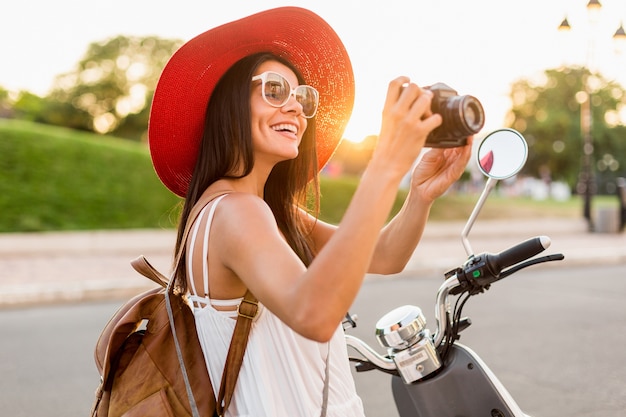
[[336, 194]]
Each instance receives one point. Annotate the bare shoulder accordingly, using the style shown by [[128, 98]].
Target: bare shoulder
[[243, 202], [245, 212], [244, 234]]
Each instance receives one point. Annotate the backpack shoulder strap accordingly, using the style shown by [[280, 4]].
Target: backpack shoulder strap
[[145, 268], [246, 312]]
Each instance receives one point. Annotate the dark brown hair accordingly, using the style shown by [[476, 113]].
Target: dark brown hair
[[226, 152]]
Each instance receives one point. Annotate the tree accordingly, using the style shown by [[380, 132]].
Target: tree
[[112, 85], [5, 103], [29, 106], [548, 114]]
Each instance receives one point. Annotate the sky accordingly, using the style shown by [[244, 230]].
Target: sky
[[477, 47]]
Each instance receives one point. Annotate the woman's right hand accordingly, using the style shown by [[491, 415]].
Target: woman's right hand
[[407, 121]]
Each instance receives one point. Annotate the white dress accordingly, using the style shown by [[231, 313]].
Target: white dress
[[283, 373]]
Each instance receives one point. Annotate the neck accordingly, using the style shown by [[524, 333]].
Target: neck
[[253, 183], [250, 184]]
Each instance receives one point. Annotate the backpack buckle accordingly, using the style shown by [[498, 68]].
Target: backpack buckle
[[248, 309]]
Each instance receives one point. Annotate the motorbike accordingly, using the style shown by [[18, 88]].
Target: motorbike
[[433, 374]]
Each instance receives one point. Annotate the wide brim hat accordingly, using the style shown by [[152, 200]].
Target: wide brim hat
[[188, 79]]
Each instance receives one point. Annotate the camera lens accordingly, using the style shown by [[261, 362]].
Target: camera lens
[[473, 114], [464, 115]]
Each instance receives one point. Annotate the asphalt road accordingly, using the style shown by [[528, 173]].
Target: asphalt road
[[554, 336]]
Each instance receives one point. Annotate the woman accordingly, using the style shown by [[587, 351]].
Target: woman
[[260, 141]]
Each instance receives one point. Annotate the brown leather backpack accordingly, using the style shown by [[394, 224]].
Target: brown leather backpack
[[150, 360]]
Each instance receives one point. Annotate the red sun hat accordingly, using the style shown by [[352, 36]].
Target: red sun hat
[[187, 82]]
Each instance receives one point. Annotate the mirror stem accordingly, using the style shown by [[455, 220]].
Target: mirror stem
[[491, 182]]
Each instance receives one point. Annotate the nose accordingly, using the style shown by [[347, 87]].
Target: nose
[[292, 104]]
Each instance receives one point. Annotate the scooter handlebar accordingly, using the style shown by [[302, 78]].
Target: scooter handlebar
[[481, 270], [518, 253]]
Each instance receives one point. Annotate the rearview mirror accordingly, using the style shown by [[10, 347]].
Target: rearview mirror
[[502, 154]]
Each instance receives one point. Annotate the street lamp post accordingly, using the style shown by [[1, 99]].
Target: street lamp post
[[586, 178], [586, 185]]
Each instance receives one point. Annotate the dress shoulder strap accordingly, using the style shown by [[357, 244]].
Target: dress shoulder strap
[[195, 212], [205, 245]]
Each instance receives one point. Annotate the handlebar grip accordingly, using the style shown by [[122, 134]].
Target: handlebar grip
[[519, 252]]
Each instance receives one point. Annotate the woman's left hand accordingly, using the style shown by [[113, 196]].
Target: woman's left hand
[[438, 169]]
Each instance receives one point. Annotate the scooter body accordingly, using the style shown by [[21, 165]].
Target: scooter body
[[464, 386]]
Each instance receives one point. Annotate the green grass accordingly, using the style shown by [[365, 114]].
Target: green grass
[[60, 179], [336, 194], [498, 207]]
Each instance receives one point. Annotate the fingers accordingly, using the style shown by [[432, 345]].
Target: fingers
[[395, 89], [409, 97], [447, 161], [407, 122], [408, 107]]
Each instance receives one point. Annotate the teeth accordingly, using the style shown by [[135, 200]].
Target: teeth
[[285, 126]]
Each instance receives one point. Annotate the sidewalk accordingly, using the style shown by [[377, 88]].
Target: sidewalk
[[75, 266]]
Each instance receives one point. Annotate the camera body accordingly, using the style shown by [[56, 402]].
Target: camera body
[[462, 116]]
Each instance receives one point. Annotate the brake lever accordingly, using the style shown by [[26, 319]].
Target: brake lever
[[531, 262], [363, 365]]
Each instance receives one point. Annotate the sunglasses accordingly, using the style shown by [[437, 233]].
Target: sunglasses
[[276, 91]]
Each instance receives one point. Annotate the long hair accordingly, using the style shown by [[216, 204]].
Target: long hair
[[226, 151]]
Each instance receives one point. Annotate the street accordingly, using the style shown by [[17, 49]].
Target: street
[[553, 335]]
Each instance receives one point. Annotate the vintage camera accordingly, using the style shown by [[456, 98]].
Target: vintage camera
[[462, 116]]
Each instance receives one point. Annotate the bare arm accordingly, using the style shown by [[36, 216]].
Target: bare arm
[[436, 172]]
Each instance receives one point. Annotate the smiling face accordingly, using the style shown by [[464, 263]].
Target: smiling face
[[276, 131]]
